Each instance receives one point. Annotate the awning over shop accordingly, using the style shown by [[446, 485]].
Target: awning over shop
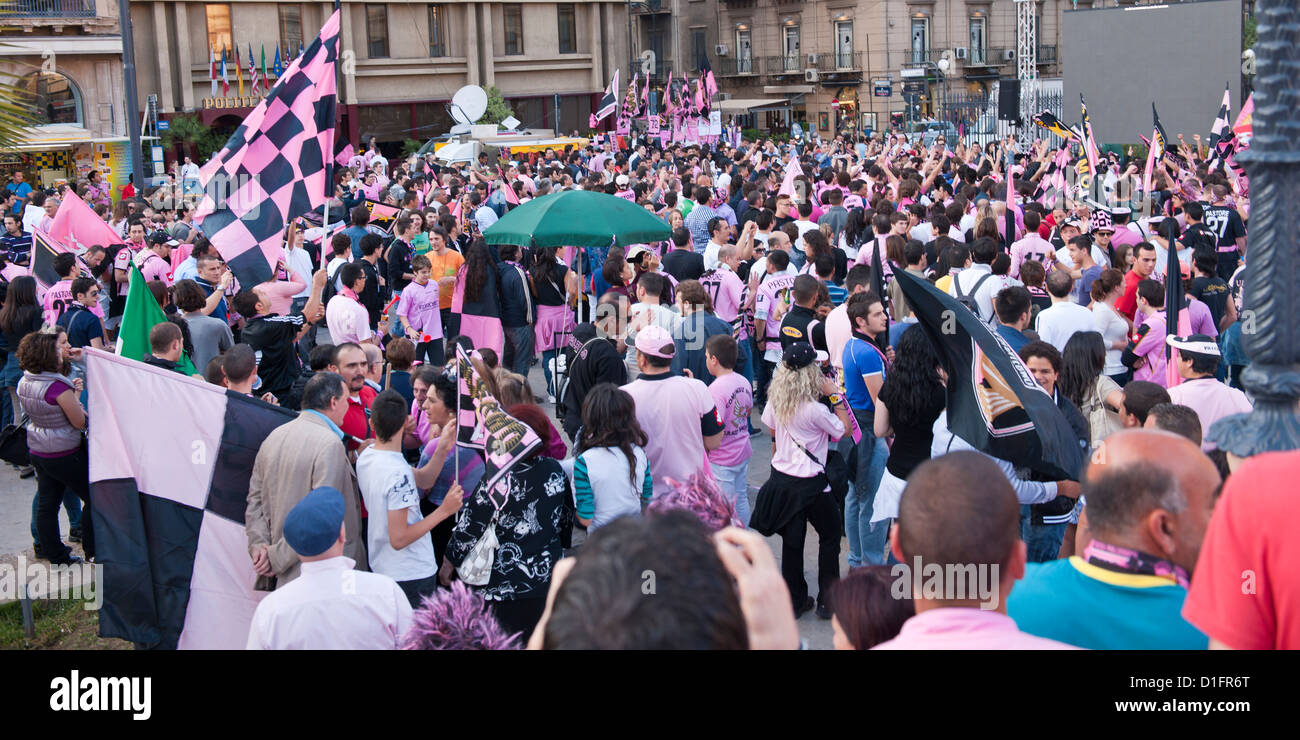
[[51, 138], [753, 105], [788, 89]]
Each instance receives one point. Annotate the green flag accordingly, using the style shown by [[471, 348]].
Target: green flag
[[141, 314]]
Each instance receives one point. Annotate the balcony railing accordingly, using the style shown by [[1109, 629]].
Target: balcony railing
[[840, 61], [736, 67], [786, 64], [47, 9]]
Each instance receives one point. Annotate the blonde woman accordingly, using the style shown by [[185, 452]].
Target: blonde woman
[[799, 491]]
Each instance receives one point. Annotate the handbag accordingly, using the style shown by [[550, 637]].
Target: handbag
[[13, 443], [476, 568]]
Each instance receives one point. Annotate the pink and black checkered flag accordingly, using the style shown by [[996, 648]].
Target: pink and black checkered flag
[[276, 165]]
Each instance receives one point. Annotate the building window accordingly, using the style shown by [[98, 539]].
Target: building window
[[744, 53], [437, 31], [514, 28], [699, 47], [376, 31], [844, 44], [920, 40], [568, 27], [291, 28], [790, 50], [219, 28], [53, 97], [977, 41]]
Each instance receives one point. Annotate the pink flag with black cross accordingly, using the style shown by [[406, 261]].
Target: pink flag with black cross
[[276, 165]]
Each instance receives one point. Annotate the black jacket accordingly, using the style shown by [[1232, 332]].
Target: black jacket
[[517, 303], [371, 296], [1058, 508], [597, 362]]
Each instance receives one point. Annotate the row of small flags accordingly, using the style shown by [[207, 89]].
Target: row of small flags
[[258, 79]]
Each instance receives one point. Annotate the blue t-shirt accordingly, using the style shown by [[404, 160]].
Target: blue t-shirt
[[860, 359], [22, 190], [1081, 604], [836, 293], [220, 311], [82, 326]]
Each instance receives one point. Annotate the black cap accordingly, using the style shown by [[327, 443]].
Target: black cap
[[799, 355]]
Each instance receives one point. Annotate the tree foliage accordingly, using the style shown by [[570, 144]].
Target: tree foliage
[[498, 109], [199, 141]]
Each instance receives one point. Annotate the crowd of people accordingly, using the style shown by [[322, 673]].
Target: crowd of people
[[758, 323]]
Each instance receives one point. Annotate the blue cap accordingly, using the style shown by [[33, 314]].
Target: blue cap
[[312, 525]]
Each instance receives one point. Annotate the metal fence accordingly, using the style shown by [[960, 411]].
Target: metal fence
[[48, 9], [976, 116]]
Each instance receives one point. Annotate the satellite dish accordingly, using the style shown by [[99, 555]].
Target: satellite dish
[[460, 128], [468, 104]]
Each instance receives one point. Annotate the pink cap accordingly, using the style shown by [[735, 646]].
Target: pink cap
[[656, 342]]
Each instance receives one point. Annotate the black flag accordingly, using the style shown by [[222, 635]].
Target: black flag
[[994, 403]]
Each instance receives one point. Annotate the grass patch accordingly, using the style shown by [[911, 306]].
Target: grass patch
[[61, 624]]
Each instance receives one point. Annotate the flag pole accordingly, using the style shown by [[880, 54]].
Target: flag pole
[[338, 95], [132, 96]]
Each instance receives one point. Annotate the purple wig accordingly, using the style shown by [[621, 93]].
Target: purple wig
[[457, 619], [700, 496]]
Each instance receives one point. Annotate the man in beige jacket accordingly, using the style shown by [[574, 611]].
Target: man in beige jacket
[[296, 458]]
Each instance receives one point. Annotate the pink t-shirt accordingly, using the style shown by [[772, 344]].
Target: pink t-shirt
[[154, 267], [419, 306], [675, 413], [56, 301], [812, 426], [1032, 247], [348, 320], [959, 628], [774, 301], [726, 290], [1211, 400], [280, 293], [838, 333], [734, 399]]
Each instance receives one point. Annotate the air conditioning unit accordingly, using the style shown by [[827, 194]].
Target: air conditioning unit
[[813, 59], [1009, 55], [720, 50], [811, 75], [962, 52]]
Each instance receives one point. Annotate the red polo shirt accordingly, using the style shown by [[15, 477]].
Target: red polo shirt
[[1127, 303], [357, 422]]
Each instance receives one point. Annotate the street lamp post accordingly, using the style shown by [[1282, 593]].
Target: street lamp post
[[1270, 333]]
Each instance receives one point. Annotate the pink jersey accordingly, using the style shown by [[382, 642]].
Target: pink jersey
[[419, 306], [154, 267], [57, 300], [1032, 247], [734, 399], [773, 301], [726, 290]]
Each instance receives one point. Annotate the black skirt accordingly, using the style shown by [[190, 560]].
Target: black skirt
[[781, 497]]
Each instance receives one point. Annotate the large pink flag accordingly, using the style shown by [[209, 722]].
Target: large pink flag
[[76, 225], [791, 172], [276, 165]]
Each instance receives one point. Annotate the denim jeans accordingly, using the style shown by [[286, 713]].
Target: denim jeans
[[733, 481], [866, 461], [54, 477], [1043, 541], [518, 348], [71, 504], [548, 356]]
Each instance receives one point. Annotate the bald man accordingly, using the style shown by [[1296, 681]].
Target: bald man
[[1148, 496], [958, 539]]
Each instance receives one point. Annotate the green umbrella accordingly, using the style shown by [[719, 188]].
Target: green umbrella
[[577, 218]]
